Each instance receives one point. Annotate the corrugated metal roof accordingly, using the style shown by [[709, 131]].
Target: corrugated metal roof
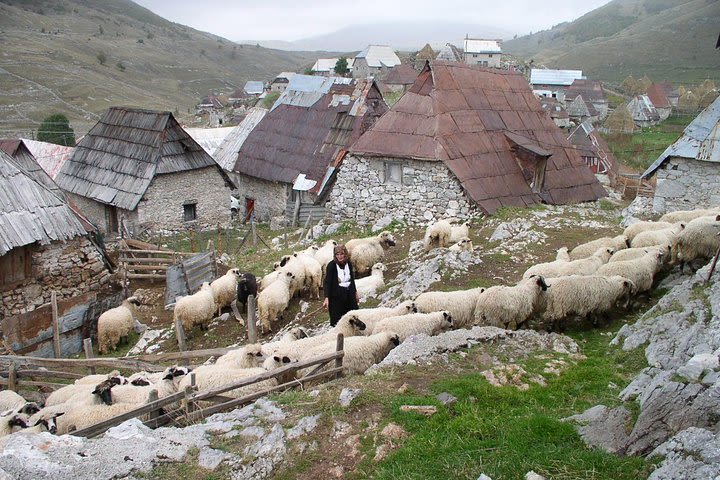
[[702, 135], [51, 157], [379, 55], [305, 90], [31, 213], [292, 139], [460, 114], [591, 90], [328, 64], [226, 154], [118, 158], [209, 138], [402, 75], [253, 87], [642, 109], [481, 46], [554, 77]]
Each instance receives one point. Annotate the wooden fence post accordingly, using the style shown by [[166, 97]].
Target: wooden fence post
[[254, 233], [56, 325], [219, 240], [12, 377], [180, 333], [87, 346], [251, 320], [307, 222], [152, 397], [296, 212], [339, 346]]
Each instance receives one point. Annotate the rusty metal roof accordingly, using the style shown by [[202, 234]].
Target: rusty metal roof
[[460, 114], [294, 139], [591, 90], [403, 74], [658, 97]]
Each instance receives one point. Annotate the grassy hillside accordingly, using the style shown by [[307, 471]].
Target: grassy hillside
[[52, 52], [664, 39]]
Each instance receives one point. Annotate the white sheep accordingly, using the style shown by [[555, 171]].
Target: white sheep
[[10, 400], [509, 307], [586, 295], [115, 324], [416, 324], [633, 253], [273, 300], [138, 394], [366, 252], [94, 379], [561, 268], [641, 271], [268, 279], [349, 327], [697, 240], [268, 349], [81, 418], [437, 235], [458, 232], [64, 394], [196, 309], [460, 304], [248, 356], [657, 237], [589, 248], [209, 377], [325, 254], [370, 316], [11, 422], [562, 255], [687, 215], [312, 273], [224, 289], [360, 353], [462, 245], [704, 219], [288, 264], [633, 230], [369, 285]]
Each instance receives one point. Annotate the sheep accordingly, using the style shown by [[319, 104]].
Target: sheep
[[224, 289], [360, 353], [195, 309], [437, 235], [687, 215], [94, 379], [268, 349], [369, 285], [249, 356], [416, 324], [11, 422], [510, 307], [633, 230], [115, 324], [560, 268], [10, 400], [460, 304], [313, 272], [366, 252], [370, 316], [633, 253], [325, 254], [247, 285], [268, 279], [562, 255], [274, 300], [657, 237], [704, 219], [458, 232], [66, 393], [80, 418], [587, 249], [297, 268], [43, 423], [462, 245], [588, 295], [697, 240], [276, 361], [349, 327], [641, 270], [135, 394], [209, 377]]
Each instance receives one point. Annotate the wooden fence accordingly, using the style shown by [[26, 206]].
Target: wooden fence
[[631, 186]]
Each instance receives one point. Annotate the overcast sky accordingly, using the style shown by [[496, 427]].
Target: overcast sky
[[294, 20]]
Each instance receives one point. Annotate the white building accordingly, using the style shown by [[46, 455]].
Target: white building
[[486, 53]]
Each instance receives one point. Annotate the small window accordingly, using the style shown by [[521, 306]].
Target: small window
[[489, 55], [189, 212], [393, 172]]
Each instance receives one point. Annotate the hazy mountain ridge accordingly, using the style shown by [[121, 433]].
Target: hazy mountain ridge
[[665, 39], [52, 52]]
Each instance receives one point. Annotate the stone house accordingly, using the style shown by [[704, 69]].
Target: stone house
[[546, 82], [486, 53], [556, 111], [660, 101], [140, 170], [286, 161], [45, 246], [688, 171], [449, 53], [593, 94], [401, 78], [463, 138], [280, 83], [595, 152], [581, 111], [375, 61], [643, 111], [254, 87]]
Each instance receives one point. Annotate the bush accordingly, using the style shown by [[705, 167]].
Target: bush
[[120, 66], [101, 57], [56, 129]]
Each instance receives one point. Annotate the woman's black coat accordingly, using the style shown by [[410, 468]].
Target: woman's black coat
[[332, 288]]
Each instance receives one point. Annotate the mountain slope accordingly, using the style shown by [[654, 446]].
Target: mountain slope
[[664, 39], [50, 62]]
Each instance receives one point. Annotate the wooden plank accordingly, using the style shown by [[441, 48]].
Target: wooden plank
[[32, 373], [339, 347], [6, 360], [56, 325], [180, 334], [251, 319], [12, 378], [172, 356], [140, 245], [158, 261], [141, 268], [158, 252], [146, 276], [30, 383], [87, 347]]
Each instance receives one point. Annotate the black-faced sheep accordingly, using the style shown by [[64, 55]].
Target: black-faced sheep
[[416, 324], [589, 248], [369, 285], [115, 324], [370, 316], [697, 241], [510, 307], [196, 309], [248, 356], [462, 245], [80, 418], [561, 268], [288, 264], [460, 304], [10, 400], [273, 300], [12, 422], [641, 270], [366, 252], [437, 235]]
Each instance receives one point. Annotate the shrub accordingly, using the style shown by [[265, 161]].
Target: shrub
[[101, 57]]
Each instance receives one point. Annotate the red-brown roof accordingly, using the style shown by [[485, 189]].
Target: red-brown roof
[[460, 114], [403, 74], [657, 96], [591, 90]]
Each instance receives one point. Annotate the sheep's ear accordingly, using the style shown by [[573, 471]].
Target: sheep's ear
[[17, 421], [626, 283], [395, 339], [169, 376], [141, 382], [682, 225], [289, 274], [359, 324], [482, 290], [276, 358], [286, 359], [446, 314]]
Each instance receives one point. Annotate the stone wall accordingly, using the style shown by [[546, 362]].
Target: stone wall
[[270, 197], [70, 268], [428, 191], [94, 211], [161, 208], [684, 184]]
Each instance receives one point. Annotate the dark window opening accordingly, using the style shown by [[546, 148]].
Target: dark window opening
[[189, 212]]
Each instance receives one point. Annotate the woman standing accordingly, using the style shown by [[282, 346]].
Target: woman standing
[[340, 293]]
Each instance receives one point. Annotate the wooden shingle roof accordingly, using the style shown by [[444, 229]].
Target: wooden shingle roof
[[30, 212], [119, 157], [460, 115]]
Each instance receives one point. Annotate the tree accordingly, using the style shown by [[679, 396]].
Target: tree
[[56, 129], [341, 66], [101, 57]]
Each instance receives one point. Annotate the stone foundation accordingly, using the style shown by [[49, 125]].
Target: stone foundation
[[684, 184]]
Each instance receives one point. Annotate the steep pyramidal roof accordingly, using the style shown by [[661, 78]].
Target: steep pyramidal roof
[[475, 119]]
